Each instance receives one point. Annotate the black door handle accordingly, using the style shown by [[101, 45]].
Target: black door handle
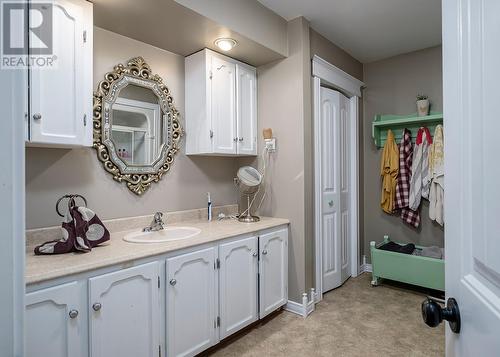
[[433, 314]]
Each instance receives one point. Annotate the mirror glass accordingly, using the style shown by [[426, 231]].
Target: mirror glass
[[138, 126]]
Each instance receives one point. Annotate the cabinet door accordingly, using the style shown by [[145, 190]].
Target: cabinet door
[[61, 97], [191, 302], [55, 322], [124, 312], [246, 110], [238, 276], [273, 280], [223, 106]]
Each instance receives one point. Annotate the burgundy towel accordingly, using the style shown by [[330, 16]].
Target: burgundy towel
[[81, 231]]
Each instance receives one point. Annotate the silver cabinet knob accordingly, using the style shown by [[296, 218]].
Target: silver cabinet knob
[[240, 139], [173, 282], [254, 254], [37, 116], [235, 139], [264, 252], [73, 313], [330, 203], [97, 306]]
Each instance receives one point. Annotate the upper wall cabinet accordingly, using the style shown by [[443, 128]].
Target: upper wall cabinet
[[221, 106], [60, 96]]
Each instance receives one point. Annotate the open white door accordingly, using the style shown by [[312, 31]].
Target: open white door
[[471, 33], [335, 220]]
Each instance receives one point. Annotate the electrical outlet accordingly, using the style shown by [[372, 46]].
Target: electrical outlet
[[270, 144]]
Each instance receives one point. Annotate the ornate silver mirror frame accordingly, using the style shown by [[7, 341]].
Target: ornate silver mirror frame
[[135, 72]]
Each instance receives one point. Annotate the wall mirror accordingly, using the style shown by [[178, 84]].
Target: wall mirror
[[136, 126]]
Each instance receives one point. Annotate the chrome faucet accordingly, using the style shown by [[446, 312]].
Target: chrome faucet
[[157, 223]]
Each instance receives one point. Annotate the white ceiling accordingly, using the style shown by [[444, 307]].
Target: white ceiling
[[369, 30]]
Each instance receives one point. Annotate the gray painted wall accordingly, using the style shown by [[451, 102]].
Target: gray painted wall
[[332, 53], [283, 105], [50, 173], [391, 87]]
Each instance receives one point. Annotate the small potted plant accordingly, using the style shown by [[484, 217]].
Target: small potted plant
[[422, 105]]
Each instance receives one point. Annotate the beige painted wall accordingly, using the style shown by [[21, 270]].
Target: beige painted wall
[[335, 55], [284, 101], [50, 173], [392, 85]]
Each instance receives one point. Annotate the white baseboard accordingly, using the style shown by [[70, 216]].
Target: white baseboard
[[365, 268], [304, 309]]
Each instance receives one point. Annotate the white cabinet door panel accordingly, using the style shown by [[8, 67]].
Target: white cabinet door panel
[[224, 106], [273, 280], [246, 109], [62, 95], [191, 302], [238, 279], [50, 330], [126, 323]]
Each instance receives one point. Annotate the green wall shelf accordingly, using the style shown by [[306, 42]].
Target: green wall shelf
[[397, 123]]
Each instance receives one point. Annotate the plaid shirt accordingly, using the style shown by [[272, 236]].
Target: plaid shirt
[[402, 199]]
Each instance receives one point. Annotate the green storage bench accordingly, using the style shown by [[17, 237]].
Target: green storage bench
[[411, 269]]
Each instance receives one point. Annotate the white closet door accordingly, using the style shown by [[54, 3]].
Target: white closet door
[[344, 189], [334, 188], [246, 106], [224, 106], [60, 97]]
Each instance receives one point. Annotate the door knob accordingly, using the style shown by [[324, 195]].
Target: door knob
[[330, 203], [254, 254], [173, 282], [433, 314], [37, 116], [240, 139], [73, 314], [264, 252], [97, 306]]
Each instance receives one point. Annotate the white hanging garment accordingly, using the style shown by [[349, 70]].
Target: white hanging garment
[[420, 179], [436, 169]]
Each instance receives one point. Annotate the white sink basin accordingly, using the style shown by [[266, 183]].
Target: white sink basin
[[165, 235]]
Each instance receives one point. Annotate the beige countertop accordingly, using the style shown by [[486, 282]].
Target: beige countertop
[[116, 250]]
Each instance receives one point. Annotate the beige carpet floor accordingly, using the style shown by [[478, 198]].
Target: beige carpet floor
[[353, 320]]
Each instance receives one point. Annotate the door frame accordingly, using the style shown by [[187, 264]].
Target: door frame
[[13, 106], [328, 75]]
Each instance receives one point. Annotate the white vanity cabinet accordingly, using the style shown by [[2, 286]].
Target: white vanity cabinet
[[124, 312], [273, 280], [176, 304], [221, 105], [238, 284], [56, 321], [191, 302], [60, 96]]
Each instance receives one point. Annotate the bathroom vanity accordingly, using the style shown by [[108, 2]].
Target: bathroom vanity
[[175, 299]]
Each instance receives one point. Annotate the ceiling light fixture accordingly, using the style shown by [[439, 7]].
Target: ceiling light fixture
[[225, 44]]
